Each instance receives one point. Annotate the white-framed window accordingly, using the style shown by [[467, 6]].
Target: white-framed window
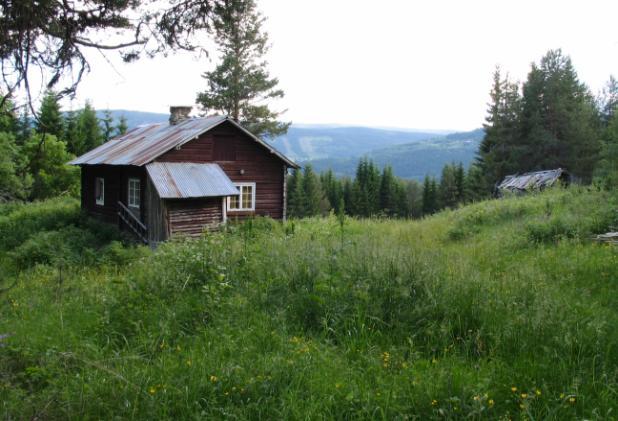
[[99, 191], [245, 201], [134, 193]]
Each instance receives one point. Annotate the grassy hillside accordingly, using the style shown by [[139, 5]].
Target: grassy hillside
[[413, 160], [499, 310]]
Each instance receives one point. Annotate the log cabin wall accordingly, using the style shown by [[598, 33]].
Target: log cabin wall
[[257, 164], [115, 189], [191, 217]]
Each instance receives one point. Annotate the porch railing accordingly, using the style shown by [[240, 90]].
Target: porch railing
[[133, 222]]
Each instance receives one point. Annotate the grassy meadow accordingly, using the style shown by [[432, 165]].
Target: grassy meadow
[[499, 310]]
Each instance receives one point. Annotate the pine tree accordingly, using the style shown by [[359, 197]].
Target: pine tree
[[559, 123], [413, 198], [49, 119], [608, 165], [107, 129], [121, 127], [72, 135], [389, 194], [448, 195], [499, 150], [88, 129], [14, 184], [475, 184], [240, 85], [332, 189], [608, 102], [430, 195], [8, 119], [312, 195], [47, 158], [460, 182], [348, 196], [366, 189], [295, 195]]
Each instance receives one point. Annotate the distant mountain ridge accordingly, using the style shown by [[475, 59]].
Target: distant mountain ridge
[[136, 118], [411, 153], [412, 160]]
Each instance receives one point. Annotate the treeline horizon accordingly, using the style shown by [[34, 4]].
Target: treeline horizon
[[35, 149], [550, 121]]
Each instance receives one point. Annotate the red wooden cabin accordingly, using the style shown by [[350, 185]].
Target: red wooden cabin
[[183, 177]]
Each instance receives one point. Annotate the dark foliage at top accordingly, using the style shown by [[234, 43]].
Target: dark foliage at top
[[51, 37]]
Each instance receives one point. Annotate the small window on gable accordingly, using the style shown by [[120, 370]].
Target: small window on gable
[[134, 193], [245, 201], [224, 148], [99, 191]]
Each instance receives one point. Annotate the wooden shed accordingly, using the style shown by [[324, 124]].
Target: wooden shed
[[183, 177], [532, 181]]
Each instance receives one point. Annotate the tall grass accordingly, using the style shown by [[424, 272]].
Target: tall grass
[[491, 311]]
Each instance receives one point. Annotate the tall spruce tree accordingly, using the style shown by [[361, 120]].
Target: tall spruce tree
[[8, 119], [366, 189], [430, 195], [49, 118], [607, 169], [499, 150], [312, 195], [122, 126], [389, 194], [476, 184], [559, 120], [107, 126], [448, 193], [240, 85], [88, 129], [295, 201], [608, 101]]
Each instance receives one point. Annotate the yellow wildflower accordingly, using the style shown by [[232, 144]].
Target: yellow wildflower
[[572, 400], [213, 378], [491, 402], [524, 395], [538, 392], [152, 390], [434, 402], [513, 389], [189, 363]]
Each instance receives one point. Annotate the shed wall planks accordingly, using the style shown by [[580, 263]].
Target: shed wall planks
[[192, 217]]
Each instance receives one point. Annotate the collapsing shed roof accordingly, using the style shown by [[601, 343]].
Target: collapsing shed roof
[[186, 180], [537, 180], [144, 144]]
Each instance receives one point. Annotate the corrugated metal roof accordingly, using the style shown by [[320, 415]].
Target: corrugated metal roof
[[532, 180], [178, 180], [143, 144]]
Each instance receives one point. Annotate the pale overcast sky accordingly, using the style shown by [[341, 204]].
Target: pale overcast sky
[[395, 63]]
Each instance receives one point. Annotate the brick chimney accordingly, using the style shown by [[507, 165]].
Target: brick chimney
[[179, 114]]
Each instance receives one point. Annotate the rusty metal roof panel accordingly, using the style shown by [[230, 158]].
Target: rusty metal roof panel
[[180, 180], [143, 144]]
